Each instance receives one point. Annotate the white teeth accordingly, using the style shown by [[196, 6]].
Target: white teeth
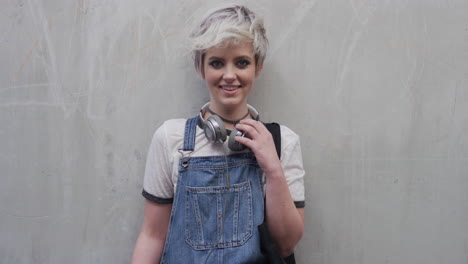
[[229, 88]]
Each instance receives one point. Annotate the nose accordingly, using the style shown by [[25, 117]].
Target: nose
[[229, 74]]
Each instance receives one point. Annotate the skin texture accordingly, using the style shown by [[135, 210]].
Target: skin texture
[[233, 66], [150, 242]]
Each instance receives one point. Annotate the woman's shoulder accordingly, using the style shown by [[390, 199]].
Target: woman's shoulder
[[288, 136], [287, 132], [170, 131], [173, 124]]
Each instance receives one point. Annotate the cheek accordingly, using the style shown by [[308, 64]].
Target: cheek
[[210, 78], [248, 76]]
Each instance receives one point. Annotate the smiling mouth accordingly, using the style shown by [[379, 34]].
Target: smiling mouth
[[229, 88]]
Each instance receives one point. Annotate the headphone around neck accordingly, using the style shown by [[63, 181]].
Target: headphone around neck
[[216, 132]]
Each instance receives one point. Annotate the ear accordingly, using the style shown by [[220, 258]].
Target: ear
[[258, 70]]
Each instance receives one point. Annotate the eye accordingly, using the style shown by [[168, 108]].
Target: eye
[[216, 64], [243, 63]]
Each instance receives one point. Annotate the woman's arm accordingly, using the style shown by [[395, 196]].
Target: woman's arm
[[285, 221], [150, 242]]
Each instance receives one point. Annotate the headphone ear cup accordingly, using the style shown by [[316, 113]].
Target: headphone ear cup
[[232, 143], [218, 130]]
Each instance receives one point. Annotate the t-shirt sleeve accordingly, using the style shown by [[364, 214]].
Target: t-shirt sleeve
[[291, 161], [157, 184]]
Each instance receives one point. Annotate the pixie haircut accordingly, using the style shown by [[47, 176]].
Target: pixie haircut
[[228, 25]]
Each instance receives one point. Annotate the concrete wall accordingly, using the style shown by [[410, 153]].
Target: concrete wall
[[377, 89]]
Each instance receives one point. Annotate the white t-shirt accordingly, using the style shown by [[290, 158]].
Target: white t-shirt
[[162, 163]]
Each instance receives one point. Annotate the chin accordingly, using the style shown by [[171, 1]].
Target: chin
[[231, 102]]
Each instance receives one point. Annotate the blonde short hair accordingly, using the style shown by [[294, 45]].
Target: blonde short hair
[[228, 25]]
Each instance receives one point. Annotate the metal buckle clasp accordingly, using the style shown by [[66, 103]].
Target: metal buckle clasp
[[185, 157]]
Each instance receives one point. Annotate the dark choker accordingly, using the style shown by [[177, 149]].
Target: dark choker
[[227, 120]]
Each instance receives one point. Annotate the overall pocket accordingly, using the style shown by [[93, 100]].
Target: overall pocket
[[218, 217]]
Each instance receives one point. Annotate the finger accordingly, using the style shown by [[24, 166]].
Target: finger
[[259, 126], [250, 130], [245, 141], [261, 129]]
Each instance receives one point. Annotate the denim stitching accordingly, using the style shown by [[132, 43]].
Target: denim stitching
[[236, 216], [218, 189], [219, 215], [198, 219], [190, 132], [219, 192], [192, 166]]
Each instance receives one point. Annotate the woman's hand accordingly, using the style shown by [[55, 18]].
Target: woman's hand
[[260, 141]]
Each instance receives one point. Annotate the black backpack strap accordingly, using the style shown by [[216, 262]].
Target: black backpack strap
[[267, 245], [275, 131], [290, 260]]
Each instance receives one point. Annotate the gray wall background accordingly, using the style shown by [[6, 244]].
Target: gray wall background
[[377, 90]]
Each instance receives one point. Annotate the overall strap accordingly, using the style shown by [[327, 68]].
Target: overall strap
[[190, 133]]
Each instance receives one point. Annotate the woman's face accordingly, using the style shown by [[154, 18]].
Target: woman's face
[[229, 73]]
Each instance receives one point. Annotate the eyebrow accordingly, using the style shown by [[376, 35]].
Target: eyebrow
[[245, 57], [236, 58], [214, 58]]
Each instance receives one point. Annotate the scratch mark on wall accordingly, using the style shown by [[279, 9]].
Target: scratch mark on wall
[[344, 62], [85, 229], [50, 63], [24, 86], [363, 10], [153, 20], [29, 103], [299, 15], [72, 34], [164, 41], [92, 87], [417, 61], [132, 81], [163, 37], [26, 60], [26, 216], [362, 13]]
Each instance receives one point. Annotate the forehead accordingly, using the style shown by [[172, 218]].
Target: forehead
[[231, 50]]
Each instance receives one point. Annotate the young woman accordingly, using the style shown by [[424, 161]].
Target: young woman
[[212, 179]]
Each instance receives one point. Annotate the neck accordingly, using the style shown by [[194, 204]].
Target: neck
[[232, 113], [229, 113]]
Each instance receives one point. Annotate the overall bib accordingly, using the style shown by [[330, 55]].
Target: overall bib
[[217, 207]]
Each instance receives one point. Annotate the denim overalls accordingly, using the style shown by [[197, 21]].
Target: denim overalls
[[217, 207]]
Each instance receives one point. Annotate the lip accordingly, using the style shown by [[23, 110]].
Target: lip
[[230, 92], [230, 86]]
